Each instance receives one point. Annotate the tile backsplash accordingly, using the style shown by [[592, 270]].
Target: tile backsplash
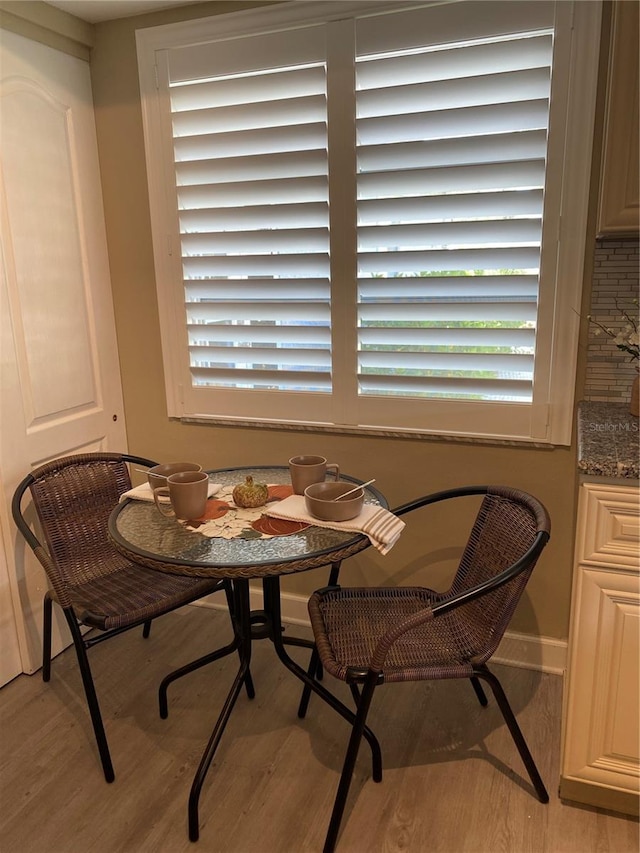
[[610, 371]]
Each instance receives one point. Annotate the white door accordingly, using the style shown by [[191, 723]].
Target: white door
[[60, 386], [10, 663]]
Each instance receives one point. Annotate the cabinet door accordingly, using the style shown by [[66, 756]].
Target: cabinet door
[[601, 761], [619, 188]]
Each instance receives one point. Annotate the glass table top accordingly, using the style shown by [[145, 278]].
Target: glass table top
[[138, 528]]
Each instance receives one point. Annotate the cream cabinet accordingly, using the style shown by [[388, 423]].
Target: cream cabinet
[[619, 208], [601, 725]]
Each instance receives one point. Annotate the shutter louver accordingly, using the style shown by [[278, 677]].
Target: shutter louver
[[451, 149], [250, 155]]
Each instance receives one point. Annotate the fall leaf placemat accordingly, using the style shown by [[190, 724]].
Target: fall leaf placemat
[[225, 520]]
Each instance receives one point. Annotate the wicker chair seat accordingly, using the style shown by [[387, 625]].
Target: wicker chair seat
[[348, 624], [118, 599]]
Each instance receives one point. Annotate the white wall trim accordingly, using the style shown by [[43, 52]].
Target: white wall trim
[[527, 651], [548, 419], [531, 652]]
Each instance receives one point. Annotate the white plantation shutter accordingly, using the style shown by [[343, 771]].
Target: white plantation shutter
[[367, 203], [251, 183], [451, 171]]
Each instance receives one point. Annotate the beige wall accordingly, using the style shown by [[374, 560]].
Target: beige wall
[[44, 23], [404, 468]]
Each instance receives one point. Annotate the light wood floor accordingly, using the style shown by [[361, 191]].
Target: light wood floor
[[453, 781]]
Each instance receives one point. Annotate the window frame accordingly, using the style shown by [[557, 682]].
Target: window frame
[[549, 419]]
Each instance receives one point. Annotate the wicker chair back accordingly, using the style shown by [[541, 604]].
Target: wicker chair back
[[73, 499]]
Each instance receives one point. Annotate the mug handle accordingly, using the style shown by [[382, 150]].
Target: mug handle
[[333, 469], [162, 509]]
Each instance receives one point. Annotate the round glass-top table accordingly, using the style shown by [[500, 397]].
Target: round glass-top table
[[145, 536]]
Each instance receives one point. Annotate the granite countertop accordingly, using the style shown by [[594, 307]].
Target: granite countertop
[[608, 441]]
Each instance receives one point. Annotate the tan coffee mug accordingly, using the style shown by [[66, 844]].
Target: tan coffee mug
[[305, 470], [158, 475], [187, 491]]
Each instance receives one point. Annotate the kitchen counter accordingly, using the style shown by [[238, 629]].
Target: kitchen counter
[[608, 441]]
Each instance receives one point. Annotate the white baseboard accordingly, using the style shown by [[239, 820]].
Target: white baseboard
[[524, 650], [532, 652]]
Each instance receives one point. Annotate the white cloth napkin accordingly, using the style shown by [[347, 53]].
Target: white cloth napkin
[[144, 492], [381, 526]]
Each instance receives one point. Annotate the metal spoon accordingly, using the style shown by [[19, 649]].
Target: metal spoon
[[351, 491]]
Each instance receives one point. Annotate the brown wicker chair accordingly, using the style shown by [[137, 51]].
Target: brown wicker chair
[[92, 582], [367, 636]]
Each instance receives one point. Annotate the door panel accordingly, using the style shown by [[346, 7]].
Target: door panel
[[60, 383], [48, 289]]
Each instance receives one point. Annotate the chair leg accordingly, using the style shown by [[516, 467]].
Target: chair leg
[[349, 764], [516, 733], [90, 693], [356, 693], [146, 629], [46, 637], [482, 698]]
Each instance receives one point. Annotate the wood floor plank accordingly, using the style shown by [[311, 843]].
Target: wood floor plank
[[453, 780]]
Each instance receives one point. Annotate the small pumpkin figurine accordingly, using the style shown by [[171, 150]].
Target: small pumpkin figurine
[[250, 494]]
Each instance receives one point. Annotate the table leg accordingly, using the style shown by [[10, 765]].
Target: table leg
[[185, 670], [203, 661], [271, 588], [315, 667], [309, 644], [243, 644]]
